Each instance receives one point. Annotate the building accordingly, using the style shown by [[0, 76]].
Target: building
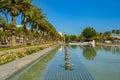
[[61, 34]]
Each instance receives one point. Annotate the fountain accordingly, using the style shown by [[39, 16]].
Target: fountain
[[67, 57], [68, 65]]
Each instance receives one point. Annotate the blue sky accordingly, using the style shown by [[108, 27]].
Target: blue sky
[[72, 16]]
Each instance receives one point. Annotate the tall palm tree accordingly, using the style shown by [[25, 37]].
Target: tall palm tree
[[19, 34], [39, 22], [31, 20], [50, 30], [113, 31], [117, 32], [36, 20], [5, 28], [26, 9], [12, 7], [2, 26], [3, 23], [106, 35], [31, 14], [47, 28]]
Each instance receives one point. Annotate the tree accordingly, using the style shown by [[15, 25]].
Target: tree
[[117, 32], [113, 31], [106, 35], [67, 38], [80, 37], [12, 7], [47, 27], [26, 9], [31, 14], [89, 33], [73, 38], [19, 35], [5, 30], [37, 22]]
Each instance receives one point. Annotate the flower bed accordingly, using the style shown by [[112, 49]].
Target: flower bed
[[10, 56]]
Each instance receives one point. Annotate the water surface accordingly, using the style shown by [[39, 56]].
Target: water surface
[[89, 63]]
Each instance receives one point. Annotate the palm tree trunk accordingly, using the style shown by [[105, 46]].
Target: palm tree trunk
[[13, 37], [31, 36], [40, 36], [37, 35], [25, 30], [43, 36], [50, 40], [47, 37]]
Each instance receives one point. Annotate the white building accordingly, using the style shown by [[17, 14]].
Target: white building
[[61, 34]]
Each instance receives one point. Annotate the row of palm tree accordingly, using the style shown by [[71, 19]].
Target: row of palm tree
[[116, 32], [31, 15]]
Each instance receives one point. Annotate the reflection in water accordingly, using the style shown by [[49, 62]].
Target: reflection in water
[[105, 65], [116, 49], [89, 52], [113, 49], [35, 71], [73, 46], [68, 65], [66, 54], [107, 48], [66, 49], [67, 57]]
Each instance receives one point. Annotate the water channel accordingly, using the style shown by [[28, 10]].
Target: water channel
[[87, 63]]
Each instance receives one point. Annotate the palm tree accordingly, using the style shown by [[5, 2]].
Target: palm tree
[[12, 7], [39, 28], [39, 22], [31, 14], [31, 20], [19, 34], [47, 29], [4, 28], [106, 35], [113, 31], [50, 31], [117, 32], [2, 21], [36, 20], [26, 9]]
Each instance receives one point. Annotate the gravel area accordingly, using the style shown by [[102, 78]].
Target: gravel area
[[11, 68]]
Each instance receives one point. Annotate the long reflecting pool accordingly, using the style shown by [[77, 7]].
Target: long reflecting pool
[[75, 63]]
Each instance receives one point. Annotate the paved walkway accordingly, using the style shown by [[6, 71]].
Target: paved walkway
[[11, 68]]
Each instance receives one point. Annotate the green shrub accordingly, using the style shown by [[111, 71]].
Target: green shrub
[[10, 56], [29, 52], [7, 59], [20, 55]]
